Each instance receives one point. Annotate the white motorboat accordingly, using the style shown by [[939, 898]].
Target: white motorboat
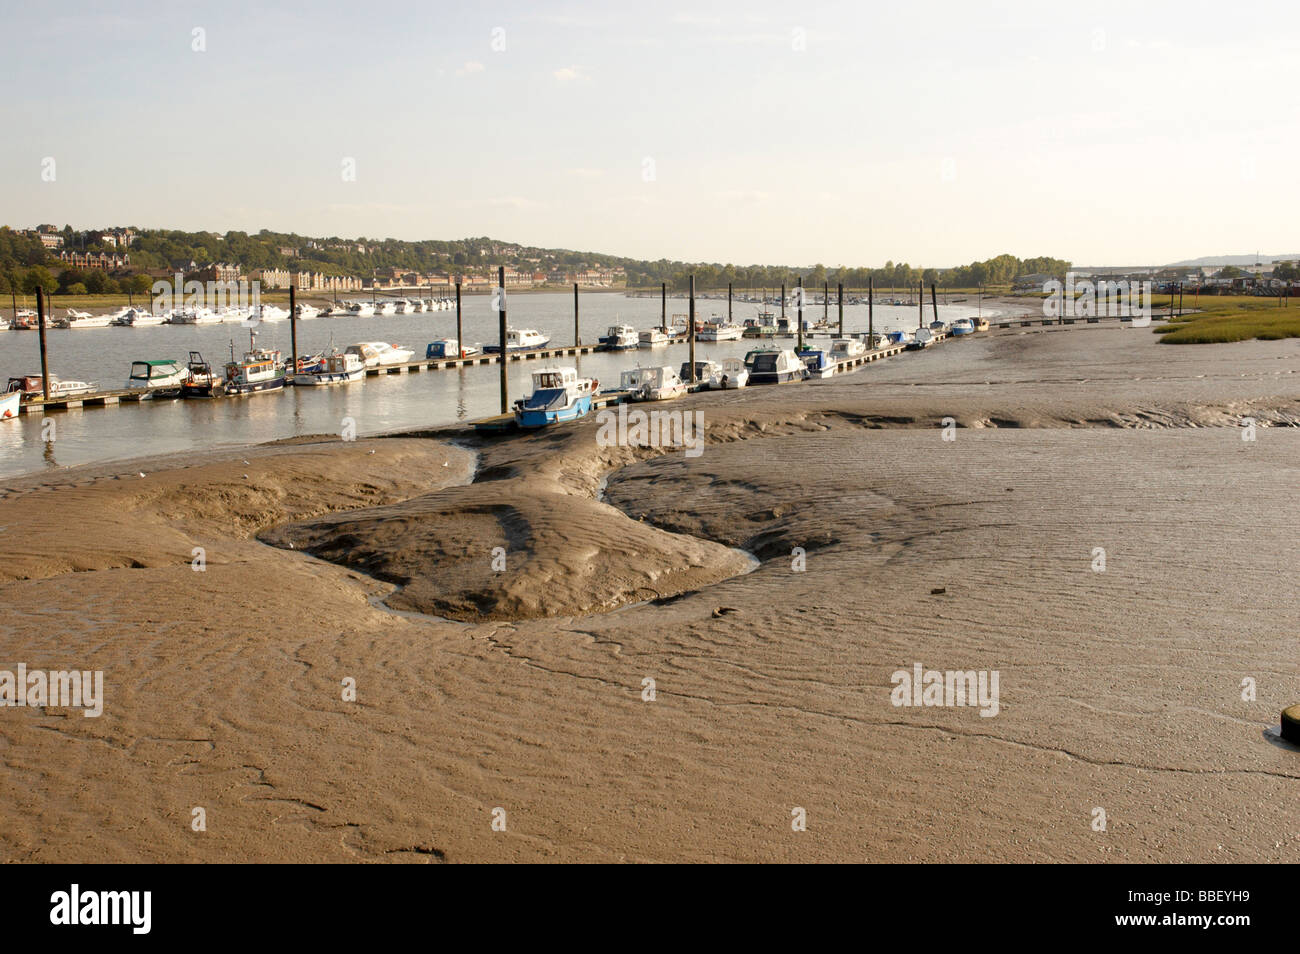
[[379, 354], [306, 311], [29, 386], [921, 338], [160, 376], [140, 318], [335, 368], [652, 384], [519, 339], [651, 338], [721, 331], [731, 374], [361, 309], [704, 369], [386, 308], [775, 367], [962, 326], [842, 348], [83, 319], [619, 338]]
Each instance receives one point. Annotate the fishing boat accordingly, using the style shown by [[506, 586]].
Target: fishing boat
[[162, 377], [447, 348], [83, 319], [261, 369], [721, 331], [9, 406], [619, 338], [335, 368], [921, 338], [651, 338], [652, 384], [756, 328], [377, 354], [775, 367], [559, 395], [962, 326], [731, 374], [703, 371], [200, 380], [819, 363], [28, 387], [519, 339], [842, 348]]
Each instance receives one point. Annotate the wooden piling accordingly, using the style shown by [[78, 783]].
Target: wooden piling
[[826, 303], [783, 299], [40, 324], [871, 313], [920, 306], [839, 302], [460, 342], [728, 302], [577, 337], [293, 329], [799, 316], [690, 333], [663, 306], [934, 302], [505, 355]]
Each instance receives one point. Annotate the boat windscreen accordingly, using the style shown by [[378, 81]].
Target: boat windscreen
[[765, 362]]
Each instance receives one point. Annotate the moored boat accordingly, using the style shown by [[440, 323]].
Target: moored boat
[[819, 363], [377, 354], [447, 348], [619, 338], [200, 380], [921, 338], [731, 374], [83, 319], [842, 348], [651, 338], [652, 384], [775, 367], [9, 406], [260, 370], [721, 331], [519, 339], [29, 387], [558, 395], [704, 369], [962, 326], [336, 368], [162, 377]]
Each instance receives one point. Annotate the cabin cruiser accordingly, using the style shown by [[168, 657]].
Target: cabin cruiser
[[83, 319], [619, 338], [820, 364], [775, 367], [703, 371], [256, 314], [196, 316], [29, 386], [922, 338], [651, 338], [652, 384], [842, 348], [138, 318], [558, 395], [377, 354], [24, 320], [721, 331], [731, 374], [162, 377], [446, 348], [962, 326], [335, 368], [386, 308], [362, 309], [305, 311], [519, 339]]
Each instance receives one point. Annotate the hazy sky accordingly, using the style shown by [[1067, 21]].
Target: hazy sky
[[792, 133]]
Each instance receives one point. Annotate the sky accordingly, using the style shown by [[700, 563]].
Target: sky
[[935, 133]]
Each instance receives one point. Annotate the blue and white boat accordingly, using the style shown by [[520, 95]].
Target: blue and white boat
[[519, 339], [558, 395], [962, 326], [820, 364], [899, 337], [447, 348], [921, 339]]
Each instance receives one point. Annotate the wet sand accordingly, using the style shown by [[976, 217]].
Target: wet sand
[[522, 689]]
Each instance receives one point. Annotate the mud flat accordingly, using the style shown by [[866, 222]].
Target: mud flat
[[525, 689]]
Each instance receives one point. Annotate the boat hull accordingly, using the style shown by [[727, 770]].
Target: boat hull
[[496, 349], [256, 387], [323, 378], [581, 407], [9, 405], [774, 377]]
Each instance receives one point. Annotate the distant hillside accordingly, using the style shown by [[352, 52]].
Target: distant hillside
[[1234, 260]]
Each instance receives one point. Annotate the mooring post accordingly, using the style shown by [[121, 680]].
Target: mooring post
[[577, 338], [1180, 299], [460, 342], [690, 334], [40, 324], [501, 322], [663, 307], [728, 302], [799, 315], [293, 329], [826, 303], [839, 303], [783, 299], [920, 307], [871, 314], [934, 302]]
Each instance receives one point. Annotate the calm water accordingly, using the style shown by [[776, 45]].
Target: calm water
[[384, 403]]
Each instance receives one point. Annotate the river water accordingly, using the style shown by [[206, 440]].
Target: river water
[[376, 404]]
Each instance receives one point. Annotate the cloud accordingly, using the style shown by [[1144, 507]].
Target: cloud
[[473, 66], [744, 195], [569, 74], [515, 202], [587, 173]]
